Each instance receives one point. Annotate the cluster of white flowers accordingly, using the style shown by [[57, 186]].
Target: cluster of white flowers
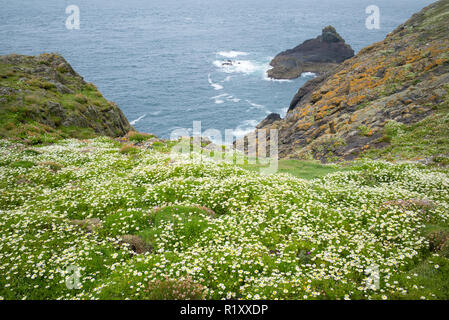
[[271, 237]]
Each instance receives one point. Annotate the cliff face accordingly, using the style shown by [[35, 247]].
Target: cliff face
[[43, 97], [317, 55], [388, 87]]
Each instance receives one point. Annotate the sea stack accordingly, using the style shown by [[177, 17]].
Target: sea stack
[[317, 55]]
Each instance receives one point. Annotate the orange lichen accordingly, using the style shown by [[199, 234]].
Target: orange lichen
[[320, 115], [323, 127], [304, 126]]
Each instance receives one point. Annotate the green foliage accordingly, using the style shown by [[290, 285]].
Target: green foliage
[[298, 168], [364, 130], [22, 164], [427, 138], [188, 223], [80, 98], [128, 149], [393, 129], [125, 221], [41, 84], [25, 112], [216, 230]]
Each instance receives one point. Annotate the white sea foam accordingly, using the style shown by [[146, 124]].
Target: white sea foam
[[232, 54], [137, 120], [237, 66], [308, 75], [220, 96], [233, 99], [257, 106], [219, 99], [216, 86]]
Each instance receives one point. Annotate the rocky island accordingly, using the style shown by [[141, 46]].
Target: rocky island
[[316, 55], [43, 99]]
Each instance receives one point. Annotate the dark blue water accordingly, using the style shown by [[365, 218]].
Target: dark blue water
[[160, 60]]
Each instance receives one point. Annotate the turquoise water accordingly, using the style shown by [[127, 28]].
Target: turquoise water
[[161, 60]]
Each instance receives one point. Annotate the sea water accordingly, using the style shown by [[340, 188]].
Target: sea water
[[165, 62]]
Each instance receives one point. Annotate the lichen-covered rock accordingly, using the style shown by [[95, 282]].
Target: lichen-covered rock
[[396, 82], [317, 55]]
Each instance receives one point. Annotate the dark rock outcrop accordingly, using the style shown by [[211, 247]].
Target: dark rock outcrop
[[270, 119], [317, 55], [305, 91]]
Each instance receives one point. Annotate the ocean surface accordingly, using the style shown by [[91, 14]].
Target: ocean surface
[[161, 61]]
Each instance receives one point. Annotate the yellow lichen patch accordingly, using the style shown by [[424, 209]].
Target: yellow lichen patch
[[434, 63], [329, 95], [305, 111], [320, 115], [316, 96], [353, 118], [363, 83], [304, 126], [323, 127]]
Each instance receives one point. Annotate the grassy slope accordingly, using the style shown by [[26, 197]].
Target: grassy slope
[[283, 234], [298, 168], [25, 112], [268, 237]]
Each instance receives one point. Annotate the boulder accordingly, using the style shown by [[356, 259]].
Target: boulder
[[135, 243]]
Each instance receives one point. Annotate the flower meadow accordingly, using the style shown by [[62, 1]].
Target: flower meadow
[[213, 230]]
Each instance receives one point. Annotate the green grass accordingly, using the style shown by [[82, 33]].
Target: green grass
[[139, 137], [425, 139], [298, 168]]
